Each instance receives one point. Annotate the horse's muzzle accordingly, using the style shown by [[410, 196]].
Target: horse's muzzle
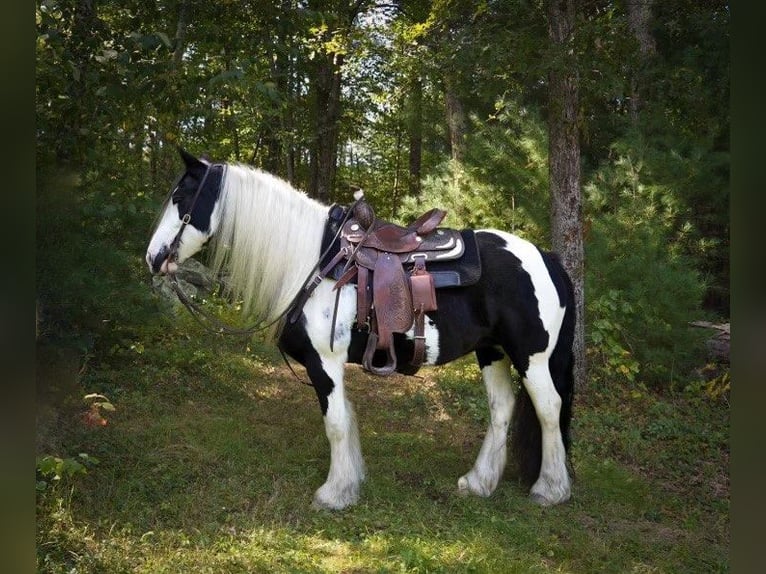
[[158, 263]]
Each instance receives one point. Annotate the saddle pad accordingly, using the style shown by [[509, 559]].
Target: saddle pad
[[459, 272]]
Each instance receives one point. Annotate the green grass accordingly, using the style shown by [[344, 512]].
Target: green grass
[[211, 459]]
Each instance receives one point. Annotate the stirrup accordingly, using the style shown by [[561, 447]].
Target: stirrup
[[369, 352]]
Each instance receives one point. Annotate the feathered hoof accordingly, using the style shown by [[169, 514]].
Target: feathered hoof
[[472, 483], [545, 493], [329, 497]]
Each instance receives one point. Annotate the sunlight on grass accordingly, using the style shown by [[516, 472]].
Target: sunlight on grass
[[284, 550], [210, 462]]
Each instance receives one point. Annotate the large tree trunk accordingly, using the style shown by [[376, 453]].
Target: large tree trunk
[[327, 91], [326, 86], [564, 163]]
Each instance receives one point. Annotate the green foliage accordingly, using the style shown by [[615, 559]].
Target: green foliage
[[468, 200], [716, 388], [607, 336], [54, 468], [642, 291], [91, 236], [503, 182]]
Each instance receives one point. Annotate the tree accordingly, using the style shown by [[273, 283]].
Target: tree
[[332, 39], [639, 19], [564, 162], [324, 91]]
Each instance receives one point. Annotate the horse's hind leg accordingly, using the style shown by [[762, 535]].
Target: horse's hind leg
[[553, 485], [482, 479]]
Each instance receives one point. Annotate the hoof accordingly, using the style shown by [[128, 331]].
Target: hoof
[[471, 483], [329, 498], [544, 494]]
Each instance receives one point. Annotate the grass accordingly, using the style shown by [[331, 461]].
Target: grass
[[211, 459]]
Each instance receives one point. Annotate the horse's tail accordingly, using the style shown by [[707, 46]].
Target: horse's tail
[[527, 434]]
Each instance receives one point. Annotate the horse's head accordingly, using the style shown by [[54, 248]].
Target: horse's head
[[189, 218]]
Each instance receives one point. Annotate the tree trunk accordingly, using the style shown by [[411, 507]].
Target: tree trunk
[[639, 16], [415, 129], [180, 40], [326, 87], [564, 163], [327, 84], [83, 43], [456, 121], [397, 168]]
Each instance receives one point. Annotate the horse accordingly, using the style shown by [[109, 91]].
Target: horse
[[267, 237]]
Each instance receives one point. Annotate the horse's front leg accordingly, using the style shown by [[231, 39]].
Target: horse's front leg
[[346, 473], [325, 369]]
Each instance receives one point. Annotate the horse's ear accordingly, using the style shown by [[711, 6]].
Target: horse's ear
[[189, 159]]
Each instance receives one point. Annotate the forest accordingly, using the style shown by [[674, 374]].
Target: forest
[[596, 128]]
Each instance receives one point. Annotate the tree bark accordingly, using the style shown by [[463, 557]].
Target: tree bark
[[564, 163], [180, 38], [85, 37], [327, 91], [326, 86], [415, 129], [639, 16], [456, 121]]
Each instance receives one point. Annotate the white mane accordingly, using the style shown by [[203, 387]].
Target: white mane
[[268, 239]]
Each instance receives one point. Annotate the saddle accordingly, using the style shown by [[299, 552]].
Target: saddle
[[394, 288], [388, 264]]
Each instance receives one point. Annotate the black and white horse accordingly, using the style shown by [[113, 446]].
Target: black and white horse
[[267, 237]]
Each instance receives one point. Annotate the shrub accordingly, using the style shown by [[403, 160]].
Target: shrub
[[642, 290]]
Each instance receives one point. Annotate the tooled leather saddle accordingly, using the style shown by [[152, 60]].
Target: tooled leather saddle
[[390, 265]]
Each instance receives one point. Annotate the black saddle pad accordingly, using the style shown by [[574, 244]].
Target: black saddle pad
[[459, 272]]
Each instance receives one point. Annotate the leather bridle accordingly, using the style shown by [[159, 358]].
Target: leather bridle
[[211, 322], [206, 319], [176, 243]]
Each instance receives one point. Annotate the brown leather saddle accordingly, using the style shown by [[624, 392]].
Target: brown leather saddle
[[394, 288]]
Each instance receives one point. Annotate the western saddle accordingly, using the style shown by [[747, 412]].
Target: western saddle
[[394, 288]]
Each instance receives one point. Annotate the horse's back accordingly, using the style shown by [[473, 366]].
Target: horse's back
[[518, 270]]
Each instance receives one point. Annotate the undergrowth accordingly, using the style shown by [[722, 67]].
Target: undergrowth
[[209, 461]]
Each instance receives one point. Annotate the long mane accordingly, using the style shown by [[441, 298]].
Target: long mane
[[268, 240]]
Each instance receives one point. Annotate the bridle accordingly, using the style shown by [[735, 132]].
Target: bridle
[[218, 327], [176, 243], [204, 318]]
